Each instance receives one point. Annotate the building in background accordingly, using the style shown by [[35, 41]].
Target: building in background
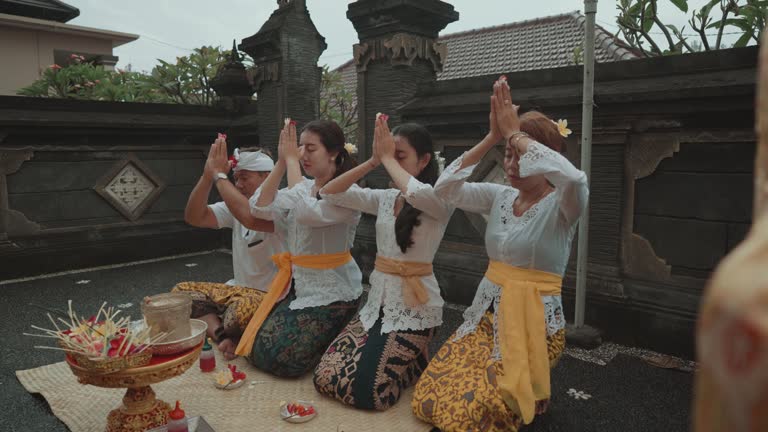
[[34, 35]]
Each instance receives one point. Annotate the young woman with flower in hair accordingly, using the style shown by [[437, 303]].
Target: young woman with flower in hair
[[318, 285], [384, 349], [493, 373]]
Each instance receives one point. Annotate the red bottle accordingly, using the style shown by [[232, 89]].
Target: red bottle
[[178, 420], [207, 358]]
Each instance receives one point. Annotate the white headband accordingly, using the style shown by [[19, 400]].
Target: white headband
[[253, 161]]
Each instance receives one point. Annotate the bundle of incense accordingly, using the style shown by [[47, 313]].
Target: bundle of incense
[[102, 336]]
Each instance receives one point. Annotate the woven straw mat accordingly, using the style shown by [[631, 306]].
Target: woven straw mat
[[253, 407]]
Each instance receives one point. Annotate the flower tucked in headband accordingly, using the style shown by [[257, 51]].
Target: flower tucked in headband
[[562, 127], [233, 161]]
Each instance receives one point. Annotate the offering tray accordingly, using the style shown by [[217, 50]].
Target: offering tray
[[140, 410]]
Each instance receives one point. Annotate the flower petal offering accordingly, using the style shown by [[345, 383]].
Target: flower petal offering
[[229, 378], [297, 411]]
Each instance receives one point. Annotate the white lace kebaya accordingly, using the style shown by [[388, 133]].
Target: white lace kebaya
[[540, 239], [315, 227], [386, 289]]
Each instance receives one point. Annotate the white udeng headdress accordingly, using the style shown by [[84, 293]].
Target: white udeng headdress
[[253, 161]]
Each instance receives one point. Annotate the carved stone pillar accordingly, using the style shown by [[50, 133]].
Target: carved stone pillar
[[286, 76], [398, 52]]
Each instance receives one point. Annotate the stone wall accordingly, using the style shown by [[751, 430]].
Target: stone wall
[[84, 184], [90, 183]]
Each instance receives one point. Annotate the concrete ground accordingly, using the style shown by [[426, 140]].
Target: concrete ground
[[625, 392]]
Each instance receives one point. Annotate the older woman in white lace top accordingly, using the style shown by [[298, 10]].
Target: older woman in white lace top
[[531, 224], [385, 348]]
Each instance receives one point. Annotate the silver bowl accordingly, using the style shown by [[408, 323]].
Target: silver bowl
[[199, 328], [164, 348]]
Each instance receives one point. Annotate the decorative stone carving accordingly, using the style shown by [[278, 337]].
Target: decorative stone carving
[[644, 153], [130, 187], [10, 162], [18, 225], [647, 152], [401, 49], [362, 53], [263, 73], [11, 159]]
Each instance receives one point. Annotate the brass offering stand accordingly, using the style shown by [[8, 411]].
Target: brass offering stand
[[140, 410]]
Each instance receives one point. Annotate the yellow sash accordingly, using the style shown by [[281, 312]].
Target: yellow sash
[[278, 286], [522, 334], [414, 292]]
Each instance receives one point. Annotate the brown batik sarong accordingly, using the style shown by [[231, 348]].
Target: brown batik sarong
[[234, 305], [459, 392]]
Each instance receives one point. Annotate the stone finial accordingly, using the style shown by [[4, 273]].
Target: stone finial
[[234, 55], [232, 79]]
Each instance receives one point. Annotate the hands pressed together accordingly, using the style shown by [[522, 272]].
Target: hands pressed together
[[504, 123], [504, 120], [288, 148], [217, 161], [383, 142]]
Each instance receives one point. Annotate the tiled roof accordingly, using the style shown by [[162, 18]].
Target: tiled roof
[[53, 10], [542, 43]]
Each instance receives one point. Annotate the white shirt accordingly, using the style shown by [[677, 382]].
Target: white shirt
[[251, 251], [315, 227], [386, 289], [540, 239]]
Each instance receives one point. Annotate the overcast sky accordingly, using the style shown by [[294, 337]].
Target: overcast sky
[[171, 28]]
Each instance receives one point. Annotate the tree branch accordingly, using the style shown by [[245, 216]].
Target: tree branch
[[663, 28]]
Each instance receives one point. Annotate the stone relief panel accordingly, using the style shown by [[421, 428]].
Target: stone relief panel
[[644, 153], [12, 222], [400, 49], [130, 187]]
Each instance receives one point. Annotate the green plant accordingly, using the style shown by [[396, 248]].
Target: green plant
[[187, 81], [638, 21]]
